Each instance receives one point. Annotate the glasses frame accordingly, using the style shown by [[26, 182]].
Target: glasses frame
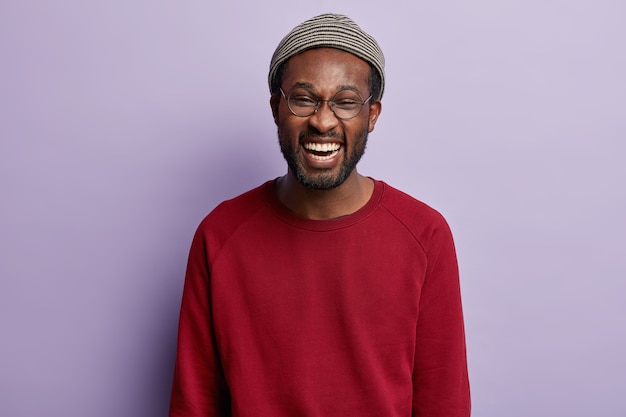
[[318, 103]]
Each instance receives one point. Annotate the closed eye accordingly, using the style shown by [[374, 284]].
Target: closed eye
[[303, 101], [347, 103]]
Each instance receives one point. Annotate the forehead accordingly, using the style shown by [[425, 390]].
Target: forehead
[[327, 70]]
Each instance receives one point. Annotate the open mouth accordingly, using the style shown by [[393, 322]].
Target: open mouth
[[322, 151]]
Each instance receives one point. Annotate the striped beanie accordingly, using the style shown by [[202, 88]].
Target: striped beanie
[[329, 31]]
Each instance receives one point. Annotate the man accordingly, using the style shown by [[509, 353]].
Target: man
[[323, 292]]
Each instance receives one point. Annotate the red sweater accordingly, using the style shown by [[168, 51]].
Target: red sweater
[[286, 317]]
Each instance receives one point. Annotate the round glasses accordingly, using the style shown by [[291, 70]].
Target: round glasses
[[346, 104]]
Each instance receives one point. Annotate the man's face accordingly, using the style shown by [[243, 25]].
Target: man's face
[[322, 150]]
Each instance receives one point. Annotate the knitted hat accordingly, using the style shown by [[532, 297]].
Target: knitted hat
[[329, 31]]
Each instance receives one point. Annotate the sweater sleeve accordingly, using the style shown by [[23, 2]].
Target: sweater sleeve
[[440, 377], [199, 387]]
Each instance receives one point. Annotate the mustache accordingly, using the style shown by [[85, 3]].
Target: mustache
[[318, 135]]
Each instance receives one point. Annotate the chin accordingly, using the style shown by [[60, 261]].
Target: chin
[[330, 179]]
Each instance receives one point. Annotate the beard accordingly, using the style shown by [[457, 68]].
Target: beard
[[326, 180]]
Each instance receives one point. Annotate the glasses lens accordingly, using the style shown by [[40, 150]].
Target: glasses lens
[[346, 105], [301, 103]]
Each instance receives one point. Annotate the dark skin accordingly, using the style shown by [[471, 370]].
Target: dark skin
[[324, 72]]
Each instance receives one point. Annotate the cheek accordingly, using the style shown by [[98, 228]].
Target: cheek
[[363, 128], [290, 126], [287, 136]]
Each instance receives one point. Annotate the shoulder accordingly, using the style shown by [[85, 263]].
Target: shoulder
[[229, 215], [408, 208], [423, 221]]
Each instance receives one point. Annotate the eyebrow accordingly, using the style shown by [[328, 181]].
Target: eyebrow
[[308, 86], [311, 87], [349, 87]]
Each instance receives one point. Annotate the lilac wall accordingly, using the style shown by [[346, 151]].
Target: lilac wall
[[122, 123]]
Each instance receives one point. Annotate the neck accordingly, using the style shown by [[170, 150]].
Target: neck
[[346, 199]]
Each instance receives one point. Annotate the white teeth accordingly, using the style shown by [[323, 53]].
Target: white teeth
[[322, 147]]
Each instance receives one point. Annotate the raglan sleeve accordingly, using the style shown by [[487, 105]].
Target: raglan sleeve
[[199, 387], [440, 376]]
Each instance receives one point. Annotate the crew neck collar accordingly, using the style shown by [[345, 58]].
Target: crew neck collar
[[287, 216]]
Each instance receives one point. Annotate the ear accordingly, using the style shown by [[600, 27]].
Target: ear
[[375, 109], [274, 103]]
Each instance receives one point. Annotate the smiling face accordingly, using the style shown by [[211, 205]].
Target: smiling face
[[322, 150]]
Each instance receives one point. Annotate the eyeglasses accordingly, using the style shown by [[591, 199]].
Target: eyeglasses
[[346, 104]]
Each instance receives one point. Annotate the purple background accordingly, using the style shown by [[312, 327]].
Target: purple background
[[122, 123]]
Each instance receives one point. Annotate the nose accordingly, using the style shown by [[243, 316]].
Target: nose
[[324, 119]]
